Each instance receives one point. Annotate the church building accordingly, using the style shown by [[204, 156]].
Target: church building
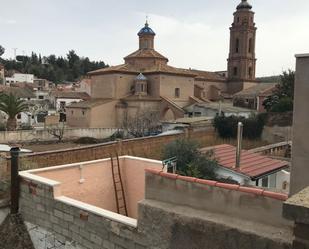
[[146, 82]]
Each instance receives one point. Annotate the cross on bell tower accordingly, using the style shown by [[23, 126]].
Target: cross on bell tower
[[242, 61]]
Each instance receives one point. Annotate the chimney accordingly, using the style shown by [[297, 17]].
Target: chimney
[[239, 143]]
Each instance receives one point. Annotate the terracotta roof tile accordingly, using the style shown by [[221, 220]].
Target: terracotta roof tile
[[70, 95], [258, 90], [251, 164], [146, 53]]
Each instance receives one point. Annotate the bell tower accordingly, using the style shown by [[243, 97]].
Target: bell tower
[[242, 61]]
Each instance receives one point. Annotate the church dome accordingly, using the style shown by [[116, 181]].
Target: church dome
[[244, 5], [146, 30], [141, 77]]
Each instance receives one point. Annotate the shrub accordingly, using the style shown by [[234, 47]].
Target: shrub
[[227, 126], [284, 105], [86, 140], [190, 161]]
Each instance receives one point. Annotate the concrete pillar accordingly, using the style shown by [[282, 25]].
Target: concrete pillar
[[300, 149], [296, 208]]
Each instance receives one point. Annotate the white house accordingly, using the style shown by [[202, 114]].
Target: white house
[[19, 78], [61, 99], [213, 108], [254, 169]]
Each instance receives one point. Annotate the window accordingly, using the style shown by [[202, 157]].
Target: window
[[250, 46], [238, 19], [177, 92], [142, 88], [83, 112], [235, 71], [18, 116], [72, 112], [265, 182], [250, 72], [41, 97], [237, 46]]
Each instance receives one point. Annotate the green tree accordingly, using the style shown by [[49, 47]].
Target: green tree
[[282, 99], [190, 161], [12, 106], [53, 68]]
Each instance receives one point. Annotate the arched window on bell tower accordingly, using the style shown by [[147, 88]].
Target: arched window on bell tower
[[237, 45], [235, 71], [250, 46]]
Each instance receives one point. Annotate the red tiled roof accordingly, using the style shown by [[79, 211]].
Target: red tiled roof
[[234, 187], [251, 164], [146, 53]]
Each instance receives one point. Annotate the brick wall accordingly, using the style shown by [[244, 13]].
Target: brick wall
[[149, 147]]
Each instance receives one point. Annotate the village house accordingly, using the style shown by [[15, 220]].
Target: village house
[[254, 169], [253, 97]]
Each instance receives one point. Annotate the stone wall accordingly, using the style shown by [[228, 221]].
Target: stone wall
[[43, 135], [276, 134]]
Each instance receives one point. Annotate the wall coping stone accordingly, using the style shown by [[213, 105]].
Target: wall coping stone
[[235, 187], [296, 208], [98, 211]]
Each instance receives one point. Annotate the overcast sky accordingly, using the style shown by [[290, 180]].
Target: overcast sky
[[190, 33]]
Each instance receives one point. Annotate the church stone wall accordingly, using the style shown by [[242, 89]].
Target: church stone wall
[[124, 84], [103, 86], [168, 84]]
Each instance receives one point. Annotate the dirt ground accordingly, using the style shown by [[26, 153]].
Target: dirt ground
[[50, 146], [14, 235]]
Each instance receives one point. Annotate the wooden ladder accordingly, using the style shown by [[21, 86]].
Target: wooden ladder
[[118, 186]]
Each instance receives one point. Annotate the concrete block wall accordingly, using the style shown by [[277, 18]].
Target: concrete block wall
[[40, 206]]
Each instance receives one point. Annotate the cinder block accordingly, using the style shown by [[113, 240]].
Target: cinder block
[[96, 239], [68, 217], [108, 244], [58, 213]]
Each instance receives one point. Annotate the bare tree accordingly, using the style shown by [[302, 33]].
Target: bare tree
[[57, 131], [143, 123]]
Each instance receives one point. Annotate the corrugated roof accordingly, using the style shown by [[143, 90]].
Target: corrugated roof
[[252, 165]]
